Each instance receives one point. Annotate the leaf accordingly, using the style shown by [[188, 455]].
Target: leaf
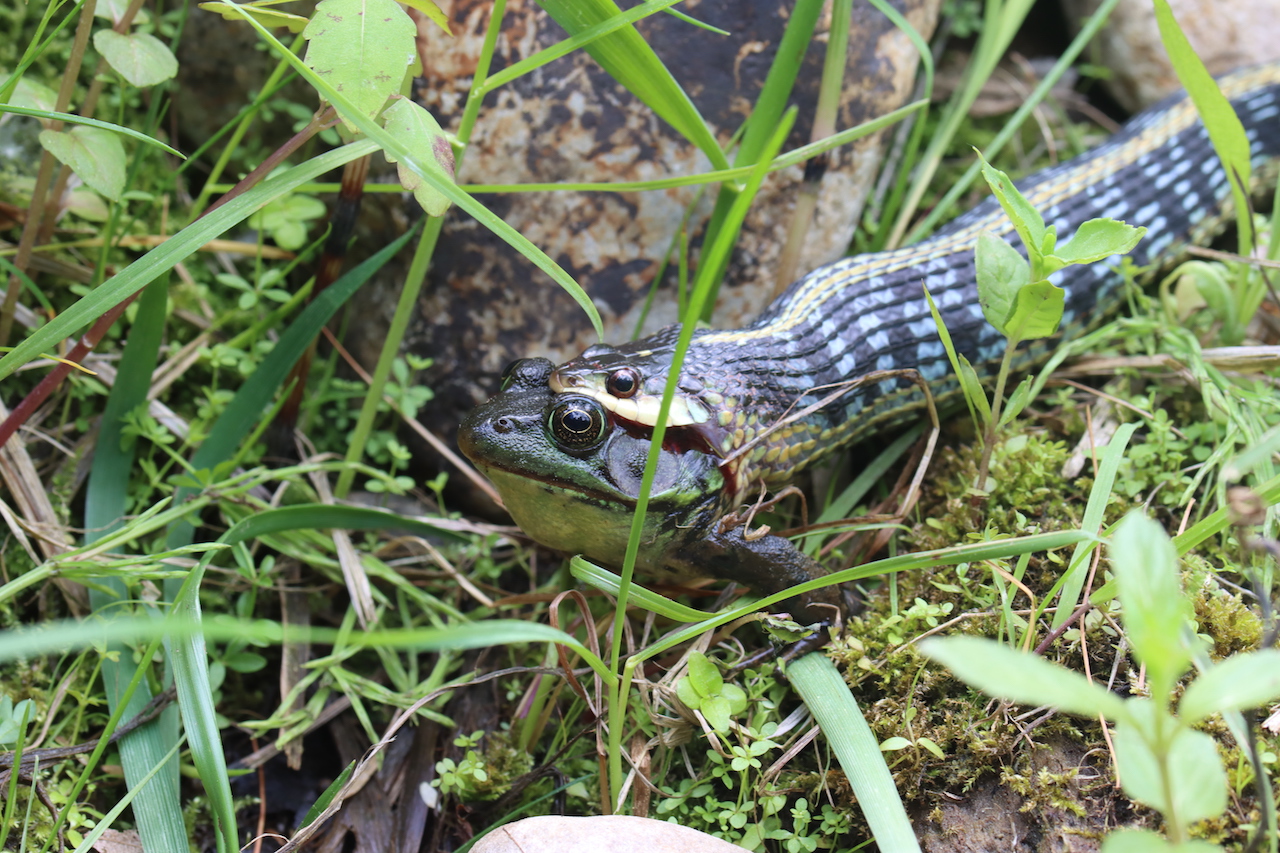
[[97, 156], [688, 694], [1241, 681], [735, 696], [1186, 781], [140, 58], [703, 675], [1136, 841], [285, 219], [112, 10], [894, 744], [1146, 841], [999, 671], [34, 95], [431, 12], [1017, 401], [1098, 239], [1026, 219], [1002, 271], [261, 14], [415, 127], [1037, 311], [363, 48], [971, 384], [1155, 612], [716, 711], [1196, 776]]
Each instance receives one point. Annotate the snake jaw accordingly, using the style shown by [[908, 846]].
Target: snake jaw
[[640, 410]]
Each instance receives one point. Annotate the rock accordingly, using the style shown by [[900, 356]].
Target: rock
[[1226, 34], [485, 305], [612, 833]]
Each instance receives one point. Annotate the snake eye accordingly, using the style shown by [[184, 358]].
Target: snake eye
[[623, 383], [577, 423]]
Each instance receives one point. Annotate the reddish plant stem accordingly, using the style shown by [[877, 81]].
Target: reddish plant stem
[[98, 330], [41, 392]]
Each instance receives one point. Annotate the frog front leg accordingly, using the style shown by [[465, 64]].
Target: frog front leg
[[767, 564]]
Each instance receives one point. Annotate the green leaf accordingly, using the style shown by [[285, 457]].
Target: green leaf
[[736, 697], [1017, 401], [261, 14], [704, 675], [1098, 239], [140, 58], [1168, 766], [96, 155], [1094, 511], [1199, 285], [416, 128], [894, 744], [33, 95], [322, 802], [1026, 219], [1155, 612], [824, 691], [975, 396], [974, 391], [716, 711], [1000, 671], [1037, 311], [1242, 681], [431, 12], [1001, 273], [688, 694], [1256, 455], [50, 115], [1196, 776], [285, 219], [363, 48], [609, 583], [112, 10], [1136, 841]]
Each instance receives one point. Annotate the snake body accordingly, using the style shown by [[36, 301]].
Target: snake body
[[868, 313], [567, 446]]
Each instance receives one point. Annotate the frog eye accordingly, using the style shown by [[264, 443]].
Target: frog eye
[[577, 423], [623, 383]]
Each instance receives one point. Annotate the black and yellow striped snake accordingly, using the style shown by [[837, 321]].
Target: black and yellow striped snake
[[566, 445]]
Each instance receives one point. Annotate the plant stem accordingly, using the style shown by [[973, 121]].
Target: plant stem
[[417, 274], [989, 438], [35, 210]]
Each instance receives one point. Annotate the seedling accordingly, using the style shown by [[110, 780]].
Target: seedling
[[1018, 298], [1163, 761]]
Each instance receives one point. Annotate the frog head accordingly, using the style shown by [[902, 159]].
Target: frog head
[[569, 471]]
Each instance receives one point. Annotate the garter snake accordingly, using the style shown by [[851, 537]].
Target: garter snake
[[566, 445]]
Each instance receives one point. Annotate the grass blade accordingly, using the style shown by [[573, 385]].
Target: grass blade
[[174, 250], [824, 692], [629, 60], [246, 407], [159, 806]]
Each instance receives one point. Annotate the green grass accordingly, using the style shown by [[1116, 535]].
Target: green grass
[[177, 541]]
